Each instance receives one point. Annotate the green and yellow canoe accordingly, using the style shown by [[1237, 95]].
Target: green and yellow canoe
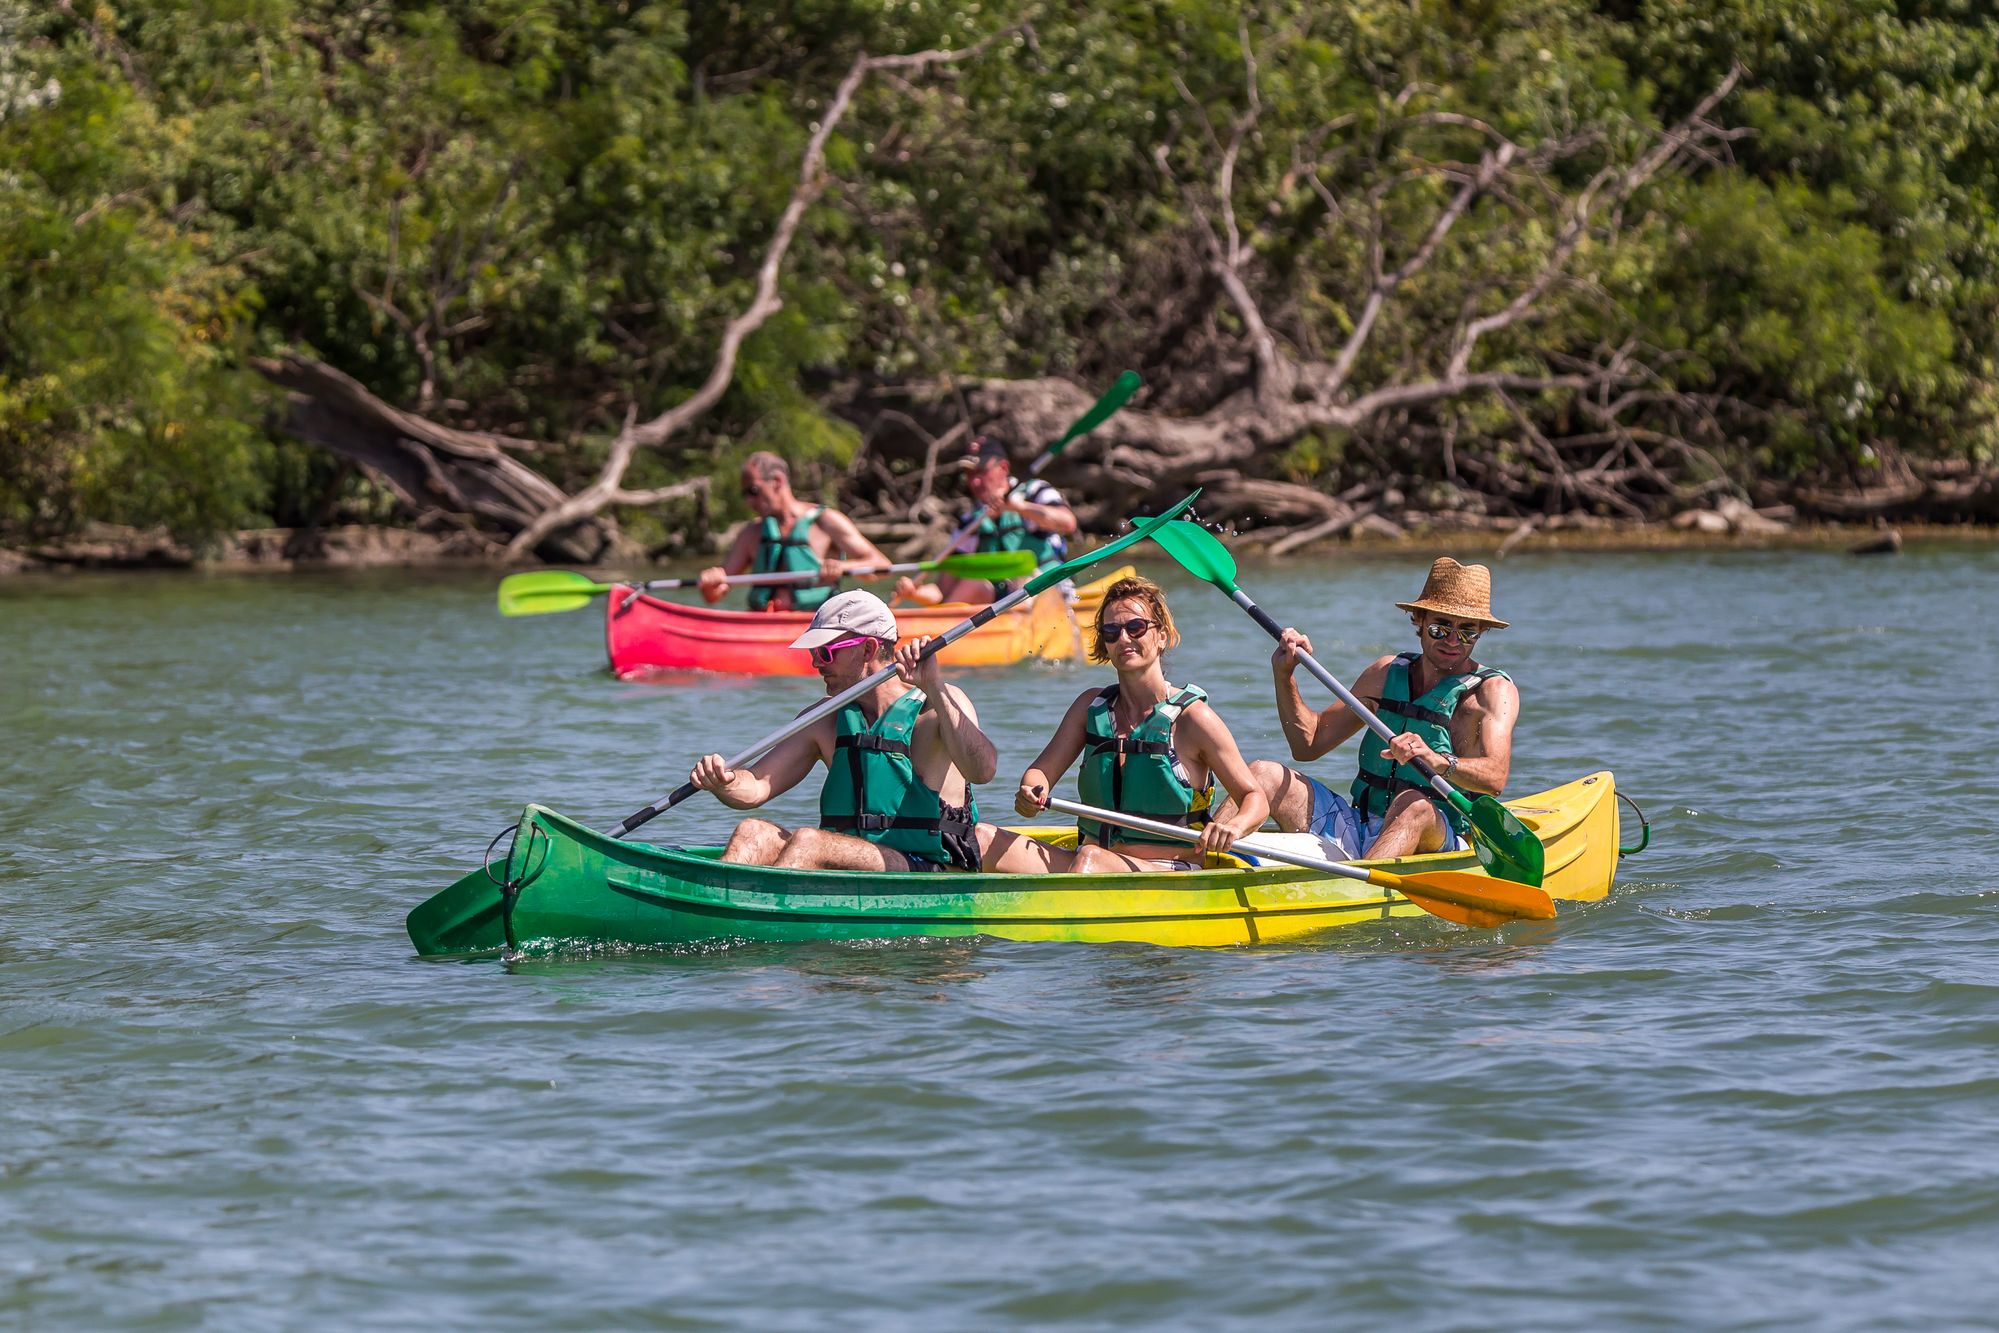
[[562, 883]]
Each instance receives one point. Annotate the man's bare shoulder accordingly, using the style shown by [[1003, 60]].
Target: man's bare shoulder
[[1494, 694], [1375, 673], [835, 521]]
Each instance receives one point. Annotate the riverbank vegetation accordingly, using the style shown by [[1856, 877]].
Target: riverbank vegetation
[[534, 273]]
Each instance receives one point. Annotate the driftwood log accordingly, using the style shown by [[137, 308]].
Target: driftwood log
[[428, 467]]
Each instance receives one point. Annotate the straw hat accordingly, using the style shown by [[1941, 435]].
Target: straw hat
[[1463, 592]]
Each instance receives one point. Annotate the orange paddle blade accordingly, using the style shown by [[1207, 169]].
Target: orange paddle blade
[[1469, 898]]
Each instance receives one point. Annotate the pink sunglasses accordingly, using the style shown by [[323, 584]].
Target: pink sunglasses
[[823, 656]]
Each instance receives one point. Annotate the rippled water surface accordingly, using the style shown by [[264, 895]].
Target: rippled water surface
[[1758, 1087]]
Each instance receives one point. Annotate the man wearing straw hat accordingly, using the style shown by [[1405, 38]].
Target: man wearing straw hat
[[1447, 710]]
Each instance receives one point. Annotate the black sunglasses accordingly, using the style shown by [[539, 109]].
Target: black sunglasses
[[1467, 634], [1110, 631]]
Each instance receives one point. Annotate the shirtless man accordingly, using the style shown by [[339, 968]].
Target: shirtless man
[[901, 761], [787, 535], [1446, 709]]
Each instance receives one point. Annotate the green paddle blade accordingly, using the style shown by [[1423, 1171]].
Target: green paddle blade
[[1118, 395], [1507, 848], [998, 566], [544, 590], [1200, 553], [1054, 574]]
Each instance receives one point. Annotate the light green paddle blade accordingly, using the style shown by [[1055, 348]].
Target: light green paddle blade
[[1200, 553], [1149, 527], [543, 590], [999, 566], [1117, 396]]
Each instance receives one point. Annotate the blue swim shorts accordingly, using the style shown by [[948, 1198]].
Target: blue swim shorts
[[1334, 817]]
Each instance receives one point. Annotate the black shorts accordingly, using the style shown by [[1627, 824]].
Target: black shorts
[[961, 844]]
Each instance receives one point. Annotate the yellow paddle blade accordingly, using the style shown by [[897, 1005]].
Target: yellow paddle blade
[[1470, 898]]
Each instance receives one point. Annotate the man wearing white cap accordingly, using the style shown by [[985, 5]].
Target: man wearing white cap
[[1446, 709], [901, 760]]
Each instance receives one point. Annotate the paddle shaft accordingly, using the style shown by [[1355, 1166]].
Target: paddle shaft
[[824, 708], [789, 576], [1179, 833], [1347, 697], [1473, 900]]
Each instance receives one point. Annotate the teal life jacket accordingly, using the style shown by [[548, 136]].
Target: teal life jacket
[[1378, 783], [1138, 774], [872, 790], [1009, 532], [787, 553]]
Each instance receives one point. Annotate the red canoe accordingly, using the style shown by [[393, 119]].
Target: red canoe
[[646, 634]]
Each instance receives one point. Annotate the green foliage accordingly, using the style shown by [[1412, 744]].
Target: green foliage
[[527, 215], [120, 397]]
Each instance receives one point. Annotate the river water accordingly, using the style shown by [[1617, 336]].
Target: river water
[[1756, 1087]]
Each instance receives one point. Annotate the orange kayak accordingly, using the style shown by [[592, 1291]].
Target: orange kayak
[[646, 634]]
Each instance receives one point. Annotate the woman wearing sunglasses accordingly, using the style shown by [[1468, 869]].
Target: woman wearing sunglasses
[[1148, 748], [1447, 710]]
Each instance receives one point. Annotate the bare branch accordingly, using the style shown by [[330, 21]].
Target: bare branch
[[763, 304], [1606, 187], [1489, 169]]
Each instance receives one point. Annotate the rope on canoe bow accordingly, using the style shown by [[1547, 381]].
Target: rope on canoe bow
[[510, 884], [1644, 828]]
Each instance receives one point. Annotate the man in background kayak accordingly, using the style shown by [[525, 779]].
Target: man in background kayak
[[787, 535], [901, 760], [1447, 710], [1029, 515]]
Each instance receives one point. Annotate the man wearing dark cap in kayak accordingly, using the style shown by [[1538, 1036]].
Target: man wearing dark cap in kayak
[[1017, 516], [787, 535], [1447, 710], [901, 760]]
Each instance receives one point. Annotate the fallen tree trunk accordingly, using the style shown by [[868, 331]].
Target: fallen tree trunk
[[429, 467]]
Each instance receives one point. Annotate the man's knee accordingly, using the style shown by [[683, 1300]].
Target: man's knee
[[1410, 807], [755, 842], [1288, 792], [802, 849]]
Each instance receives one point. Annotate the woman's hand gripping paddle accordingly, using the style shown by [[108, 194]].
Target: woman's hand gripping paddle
[[1505, 846], [1105, 407], [1462, 896], [544, 590], [1048, 578]]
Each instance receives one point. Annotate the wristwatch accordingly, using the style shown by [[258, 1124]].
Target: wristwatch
[[1451, 764]]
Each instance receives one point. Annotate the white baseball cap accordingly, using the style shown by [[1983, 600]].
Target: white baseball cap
[[844, 616]]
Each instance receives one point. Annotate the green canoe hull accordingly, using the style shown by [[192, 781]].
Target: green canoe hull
[[572, 885]]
